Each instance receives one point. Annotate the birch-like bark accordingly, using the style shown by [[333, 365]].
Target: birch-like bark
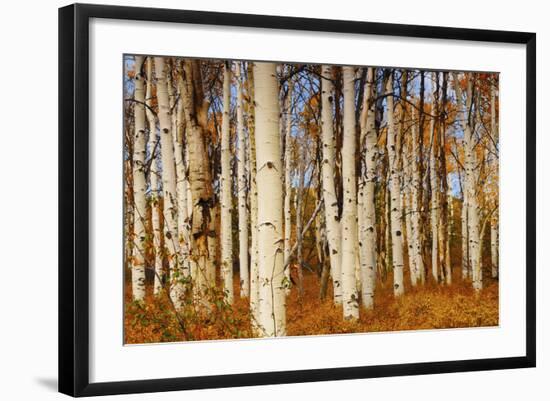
[[406, 161], [367, 229], [448, 262], [329, 190], [181, 190], [140, 185], [288, 186], [200, 181], [242, 189], [434, 204], [153, 179], [470, 181], [395, 188], [465, 247], [272, 316], [225, 189], [168, 179], [349, 210], [253, 195], [415, 206]]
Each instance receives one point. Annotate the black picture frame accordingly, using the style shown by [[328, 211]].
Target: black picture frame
[[74, 198]]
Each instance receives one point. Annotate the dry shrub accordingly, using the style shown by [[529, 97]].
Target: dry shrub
[[430, 306]]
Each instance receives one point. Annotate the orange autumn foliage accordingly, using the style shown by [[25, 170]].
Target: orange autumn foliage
[[429, 307]]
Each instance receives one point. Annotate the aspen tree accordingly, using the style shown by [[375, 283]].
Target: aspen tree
[[415, 213], [225, 188], [153, 179], [298, 198], [465, 256], [139, 184], [272, 316], [434, 189], [200, 181], [349, 211], [406, 197], [242, 189], [329, 189], [253, 200], [444, 219], [449, 235], [178, 132], [367, 230], [168, 177], [395, 188], [470, 179]]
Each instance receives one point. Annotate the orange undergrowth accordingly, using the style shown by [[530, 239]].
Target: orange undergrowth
[[425, 307]]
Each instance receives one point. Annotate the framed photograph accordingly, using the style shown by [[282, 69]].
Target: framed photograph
[[251, 199]]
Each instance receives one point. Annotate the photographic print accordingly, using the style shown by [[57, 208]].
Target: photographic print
[[271, 199]]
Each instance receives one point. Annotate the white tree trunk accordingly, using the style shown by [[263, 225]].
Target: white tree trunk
[[434, 204], [367, 229], [225, 197], [470, 182], [200, 181], [138, 171], [329, 190], [253, 194], [153, 181], [406, 198], [465, 246], [168, 178], [242, 190], [272, 317], [415, 206], [349, 211], [450, 221], [181, 193], [395, 188]]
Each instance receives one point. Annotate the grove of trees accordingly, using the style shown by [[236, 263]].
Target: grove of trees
[[252, 188]]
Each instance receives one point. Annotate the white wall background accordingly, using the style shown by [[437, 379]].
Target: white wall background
[[28, 200]]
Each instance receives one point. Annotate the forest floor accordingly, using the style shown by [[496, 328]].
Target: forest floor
[[425, 307]]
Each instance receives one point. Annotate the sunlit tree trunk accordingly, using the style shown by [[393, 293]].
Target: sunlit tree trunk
[[299, 238], [434, 204], [153, 179], [253, 198], [242, 190], [367, 228], [415, 205], [450, 224], [329, 190], [470, 180], [181, 191], [272, 316], [444, 219], [395, 188], [406, 197], [168, 179], [465, 247], [138, 170], [349, 211], [225, 197], [200, 180]]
